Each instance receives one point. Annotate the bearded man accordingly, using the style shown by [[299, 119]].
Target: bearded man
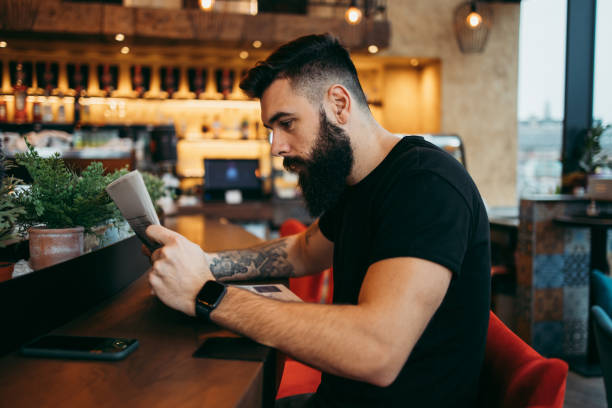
[[400, 220]]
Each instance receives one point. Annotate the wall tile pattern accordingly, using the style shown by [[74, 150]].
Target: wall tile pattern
[[553, 278], [548, 338]]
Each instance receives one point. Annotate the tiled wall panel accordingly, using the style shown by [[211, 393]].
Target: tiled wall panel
[[552, 304]]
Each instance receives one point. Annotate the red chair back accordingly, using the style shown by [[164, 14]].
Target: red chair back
[[308, 288], [515, 375], [299, 378], [290, 227]]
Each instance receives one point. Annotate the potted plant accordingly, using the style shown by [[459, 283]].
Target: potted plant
[[60, 205], [155, 187], [589, 156], [9, 214], [108, 234], [592, 157]]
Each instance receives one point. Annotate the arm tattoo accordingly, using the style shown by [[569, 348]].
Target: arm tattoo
[[269, 260]]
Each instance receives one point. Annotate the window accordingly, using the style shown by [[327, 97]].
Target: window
[[602, 84], [602, 87], [541, 92]]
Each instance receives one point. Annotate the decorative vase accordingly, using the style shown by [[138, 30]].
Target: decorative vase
[[51, 246], [574, 183], [6, 270]]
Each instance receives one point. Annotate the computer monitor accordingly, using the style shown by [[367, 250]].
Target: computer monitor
[[221, 175]]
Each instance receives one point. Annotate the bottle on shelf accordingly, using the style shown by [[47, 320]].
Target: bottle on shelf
[[36, 112], [78, 82], [260, 131], [141, 77], [3, 112], [170, 77], [20, 91], [76, 118], [244, 128], [107, 75], [49, 78], [197, 81], [226, 82], [217, 127], [47, 111], [205, 127], [61, 109], [47, 73], [85, 112]]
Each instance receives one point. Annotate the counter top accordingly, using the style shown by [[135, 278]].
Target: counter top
[[162, 371], [274, 211], [554, 197], [585, 221]]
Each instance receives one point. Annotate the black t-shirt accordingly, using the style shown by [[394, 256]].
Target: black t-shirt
[[418, 202]]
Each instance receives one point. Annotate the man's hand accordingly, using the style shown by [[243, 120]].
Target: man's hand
[[179, 270]]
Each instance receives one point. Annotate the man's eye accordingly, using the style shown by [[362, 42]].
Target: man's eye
[[286, 123]]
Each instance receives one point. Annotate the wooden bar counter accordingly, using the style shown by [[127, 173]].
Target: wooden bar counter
[[162, 371]]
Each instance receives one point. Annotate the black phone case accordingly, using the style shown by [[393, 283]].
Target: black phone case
[[77, 354], [232, 348]]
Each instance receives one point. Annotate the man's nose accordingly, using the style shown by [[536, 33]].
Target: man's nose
[[279, 144]]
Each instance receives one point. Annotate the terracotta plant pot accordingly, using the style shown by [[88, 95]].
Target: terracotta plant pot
[[6, 270], [51, 246]]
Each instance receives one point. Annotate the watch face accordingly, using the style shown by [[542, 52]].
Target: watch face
[[210, 293]]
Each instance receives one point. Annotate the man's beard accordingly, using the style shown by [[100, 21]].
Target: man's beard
[[322, 177]]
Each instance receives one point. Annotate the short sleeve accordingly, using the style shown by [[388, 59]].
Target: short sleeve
[[422, 216]]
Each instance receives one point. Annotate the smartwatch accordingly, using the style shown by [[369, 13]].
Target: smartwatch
[[209, 298]]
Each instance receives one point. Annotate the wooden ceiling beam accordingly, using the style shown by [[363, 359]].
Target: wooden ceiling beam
[[160, 25]]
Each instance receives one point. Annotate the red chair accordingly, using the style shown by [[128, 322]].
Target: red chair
[[515, 376], [310, 288], [299, 378], [498, 270]]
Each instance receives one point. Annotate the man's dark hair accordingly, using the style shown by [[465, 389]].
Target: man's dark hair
[[309, 62]]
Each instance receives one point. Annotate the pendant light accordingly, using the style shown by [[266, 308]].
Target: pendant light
[[207, 5], [353, 14], [472, 22]]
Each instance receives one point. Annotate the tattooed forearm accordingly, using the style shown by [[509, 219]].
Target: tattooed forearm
[[266, 261]]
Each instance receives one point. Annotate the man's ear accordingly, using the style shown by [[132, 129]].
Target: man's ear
[[339, 100]]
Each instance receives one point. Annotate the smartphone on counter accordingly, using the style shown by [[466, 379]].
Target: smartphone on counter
[[80, 347]]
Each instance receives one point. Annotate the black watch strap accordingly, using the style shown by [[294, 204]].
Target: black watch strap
[[209, 298]]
